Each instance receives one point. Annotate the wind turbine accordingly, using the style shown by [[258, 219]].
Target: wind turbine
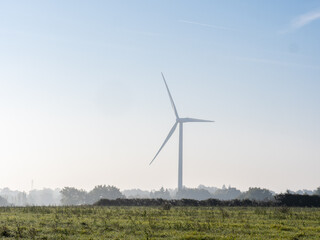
[[179, 121]]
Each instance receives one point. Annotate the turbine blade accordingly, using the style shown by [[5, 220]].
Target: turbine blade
[[171, 100], [194, 120], [166, 140]]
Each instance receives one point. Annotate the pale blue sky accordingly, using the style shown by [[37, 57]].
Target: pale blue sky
[[82, 101]]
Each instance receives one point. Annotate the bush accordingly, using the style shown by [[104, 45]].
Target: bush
[[296, 200]]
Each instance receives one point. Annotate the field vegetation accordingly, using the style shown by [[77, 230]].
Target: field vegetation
[[161, 222]]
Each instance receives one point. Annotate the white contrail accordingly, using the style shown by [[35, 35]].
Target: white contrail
[[207, 25], [305, 19]]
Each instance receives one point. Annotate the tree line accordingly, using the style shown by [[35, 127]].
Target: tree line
[[34, 197], [280, 200], [74, 196]]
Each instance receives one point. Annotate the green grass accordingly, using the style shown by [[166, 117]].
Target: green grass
[[88, 222]]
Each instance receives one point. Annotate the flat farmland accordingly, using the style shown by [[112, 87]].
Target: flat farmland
[[93, 222]]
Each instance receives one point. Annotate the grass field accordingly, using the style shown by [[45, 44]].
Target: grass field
[[88, 222]]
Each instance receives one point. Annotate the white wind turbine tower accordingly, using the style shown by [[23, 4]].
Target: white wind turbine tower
[[179, 121]]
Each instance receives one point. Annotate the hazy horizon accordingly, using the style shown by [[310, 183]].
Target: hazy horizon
[[82, 101], [200, 186]]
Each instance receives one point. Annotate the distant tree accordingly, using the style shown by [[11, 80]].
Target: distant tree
[[226, 194], [209, 189], [317, 192], [305, 192], [21, 199], [193, 193], [259, 194], [136, 193], [42, 197], [164, 194], [73, 196], [12, 196], [103, 191], [3, 202]]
